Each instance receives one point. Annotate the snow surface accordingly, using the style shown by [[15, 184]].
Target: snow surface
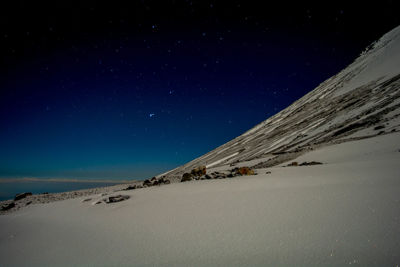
[[384, 62], [346, 211]]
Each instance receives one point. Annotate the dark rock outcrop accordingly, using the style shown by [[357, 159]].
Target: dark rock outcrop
[[379, 127], [310, 163], [22, 195], [147, 183], [8, 206], [131, 187], [186, 177], [118, 198], [199, 171], [244, 171]]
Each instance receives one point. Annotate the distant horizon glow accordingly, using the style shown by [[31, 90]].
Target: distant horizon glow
[[60, 180]]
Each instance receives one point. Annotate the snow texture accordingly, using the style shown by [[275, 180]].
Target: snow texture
[[345, 211]]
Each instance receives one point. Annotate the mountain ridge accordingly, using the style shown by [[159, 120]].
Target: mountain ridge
[[361, 101]]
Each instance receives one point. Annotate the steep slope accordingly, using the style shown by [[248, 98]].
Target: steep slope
[[361, 101]]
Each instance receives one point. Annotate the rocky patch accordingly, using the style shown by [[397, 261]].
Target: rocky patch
[[8, 206], [147, 183], [379, 127], [199, 171], [187, 177], [131, 187], [310, 163], [22, 195], [245, 171], [114, 199], [154, 181], [305, 163]]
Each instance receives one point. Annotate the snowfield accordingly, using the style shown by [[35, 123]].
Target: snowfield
[[346, 211]]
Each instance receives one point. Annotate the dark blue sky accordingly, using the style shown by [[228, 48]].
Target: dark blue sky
[[100, 92]]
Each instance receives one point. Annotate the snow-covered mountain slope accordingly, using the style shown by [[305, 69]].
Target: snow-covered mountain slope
[[342, 213], [361, 101]]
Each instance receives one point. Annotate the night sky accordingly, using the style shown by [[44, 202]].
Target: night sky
[[113, 91]]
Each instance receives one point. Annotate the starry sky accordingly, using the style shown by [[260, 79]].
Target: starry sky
[[117, 91]]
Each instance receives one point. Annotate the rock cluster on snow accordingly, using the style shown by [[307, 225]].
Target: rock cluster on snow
[[306, 163], [200, 173], [151, 182], [117, 198], [22, 195], [310, 163], [8, 206]]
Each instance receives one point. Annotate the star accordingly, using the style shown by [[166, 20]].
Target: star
[[151, 115]]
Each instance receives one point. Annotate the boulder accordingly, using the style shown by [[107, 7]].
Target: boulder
[[131, 187], [310, 163], [199, 171], [118, 198], [245, 171], [186, 177], [8, 206], [147, 182], [22, 195]]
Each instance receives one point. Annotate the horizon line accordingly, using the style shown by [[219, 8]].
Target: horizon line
[[72, 180]]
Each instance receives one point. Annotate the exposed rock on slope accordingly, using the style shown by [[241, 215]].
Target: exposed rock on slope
[[361, 101]]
